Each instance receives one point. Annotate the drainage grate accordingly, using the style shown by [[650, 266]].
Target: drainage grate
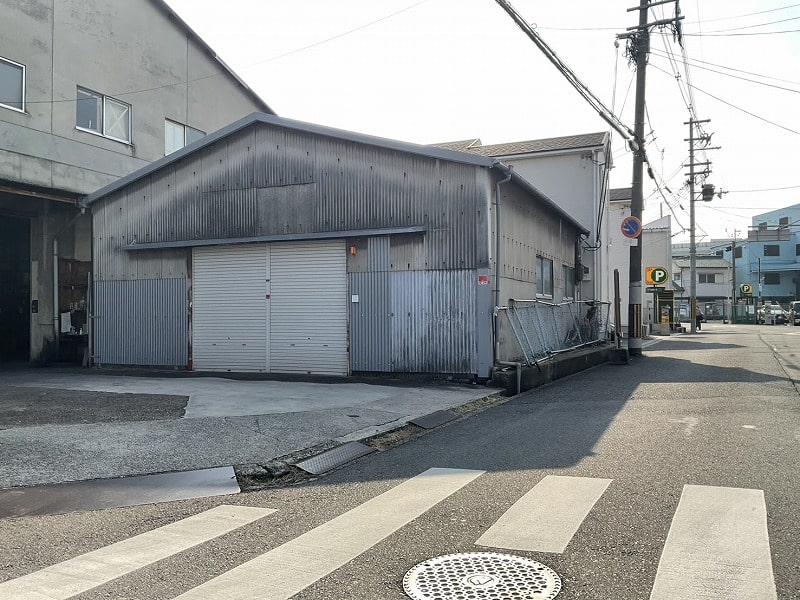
[[434, 419], [316, 465], [481, 576]]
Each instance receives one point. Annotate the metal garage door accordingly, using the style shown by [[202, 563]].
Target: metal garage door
[[229, 308], [309, 308], [279, 308]]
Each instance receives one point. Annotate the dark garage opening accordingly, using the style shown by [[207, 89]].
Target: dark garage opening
[[15, 286]]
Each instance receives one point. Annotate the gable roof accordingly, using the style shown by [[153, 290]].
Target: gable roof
[[569, 142], [460, 146], [272, 119], [173, 16], [340, 134], [621, 194]]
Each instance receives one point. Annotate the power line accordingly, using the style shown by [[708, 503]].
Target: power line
[[737, 34], [717, 98], [703, 62], [260, 62], [772, 85], [752, 26], [789, 187]]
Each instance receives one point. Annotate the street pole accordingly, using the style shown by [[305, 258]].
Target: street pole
[[733, 291], [641, 44], [692, 244]]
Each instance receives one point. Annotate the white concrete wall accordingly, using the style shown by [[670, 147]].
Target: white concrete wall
[[125, 49], [572, 180]]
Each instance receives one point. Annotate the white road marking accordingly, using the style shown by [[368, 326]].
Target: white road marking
[[690, 422], [84, 572], [546, 518], [290, 568], [717, 548]]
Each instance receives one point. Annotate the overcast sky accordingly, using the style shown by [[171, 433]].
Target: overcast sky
[[441, 70]]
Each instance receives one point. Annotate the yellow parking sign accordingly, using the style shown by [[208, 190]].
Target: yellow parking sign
[[656, 275], [746, 289]]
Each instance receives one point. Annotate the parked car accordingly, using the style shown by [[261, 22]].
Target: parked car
[[772, 314], [794, 312]]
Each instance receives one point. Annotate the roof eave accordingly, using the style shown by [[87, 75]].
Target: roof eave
[[271, 119]]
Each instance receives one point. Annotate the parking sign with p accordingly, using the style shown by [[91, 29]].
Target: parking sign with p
[[656, 275]]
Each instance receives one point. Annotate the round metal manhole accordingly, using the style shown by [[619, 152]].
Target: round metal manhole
[[481, 576]]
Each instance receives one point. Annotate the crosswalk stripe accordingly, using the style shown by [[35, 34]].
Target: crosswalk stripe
[[290, 568], [84, 572], [546, 518], [717, 547]]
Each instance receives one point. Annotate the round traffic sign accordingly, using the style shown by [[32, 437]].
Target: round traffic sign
[[631, 227], [746, 289]]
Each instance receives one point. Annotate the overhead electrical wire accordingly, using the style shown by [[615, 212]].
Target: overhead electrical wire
[[669, 57], [260, 62], [717, 98]]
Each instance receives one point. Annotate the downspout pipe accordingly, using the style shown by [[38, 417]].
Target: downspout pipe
[[507, 171]]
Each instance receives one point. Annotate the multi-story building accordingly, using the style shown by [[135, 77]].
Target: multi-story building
[[769, 259], [89, 92], [573, 172]]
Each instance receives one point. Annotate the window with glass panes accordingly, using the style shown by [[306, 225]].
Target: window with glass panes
[[12, 85], [544, 276], [177, 135], [103, 115]]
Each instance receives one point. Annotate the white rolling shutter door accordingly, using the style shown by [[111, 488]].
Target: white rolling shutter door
[[229, 311], [308, 329]]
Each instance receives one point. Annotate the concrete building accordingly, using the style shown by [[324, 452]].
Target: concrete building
[[656, 238], [573, 172], [769, 258], [279, 246], [712, 289], [89, 92]]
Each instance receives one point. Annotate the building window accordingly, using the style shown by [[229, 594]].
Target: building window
[[569, 283], [707, 277], [177, 135], [12, 85], [676, 277], [544, 276], [797, 250], [772, 278], [103, 115], [772, 250], [738, 252]]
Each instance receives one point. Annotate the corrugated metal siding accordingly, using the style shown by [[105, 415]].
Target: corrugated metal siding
[[433, 321], [308, 307], [268, 180], [370, 322], [229, 315], [141, 322]]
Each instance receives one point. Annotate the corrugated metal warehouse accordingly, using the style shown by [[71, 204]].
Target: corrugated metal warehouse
[[278, 246]]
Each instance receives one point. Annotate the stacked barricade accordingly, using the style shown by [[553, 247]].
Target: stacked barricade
[[531, 331]]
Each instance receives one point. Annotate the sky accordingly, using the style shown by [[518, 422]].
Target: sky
[[428, 71]]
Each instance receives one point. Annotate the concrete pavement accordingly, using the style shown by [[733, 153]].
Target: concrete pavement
[[68, 425]]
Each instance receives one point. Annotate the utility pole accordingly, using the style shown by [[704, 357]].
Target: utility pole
[[708, 194], [641, 45], [638, 48], [733, 279]]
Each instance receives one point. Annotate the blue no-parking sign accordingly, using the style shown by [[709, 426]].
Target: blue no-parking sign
[[631, 227]]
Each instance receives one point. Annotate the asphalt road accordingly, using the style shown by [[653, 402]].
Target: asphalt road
[[698, 421]]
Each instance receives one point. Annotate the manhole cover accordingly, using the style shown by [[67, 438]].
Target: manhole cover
[[480, 576]]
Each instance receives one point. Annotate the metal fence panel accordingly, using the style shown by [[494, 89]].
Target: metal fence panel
[[531, 331]]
